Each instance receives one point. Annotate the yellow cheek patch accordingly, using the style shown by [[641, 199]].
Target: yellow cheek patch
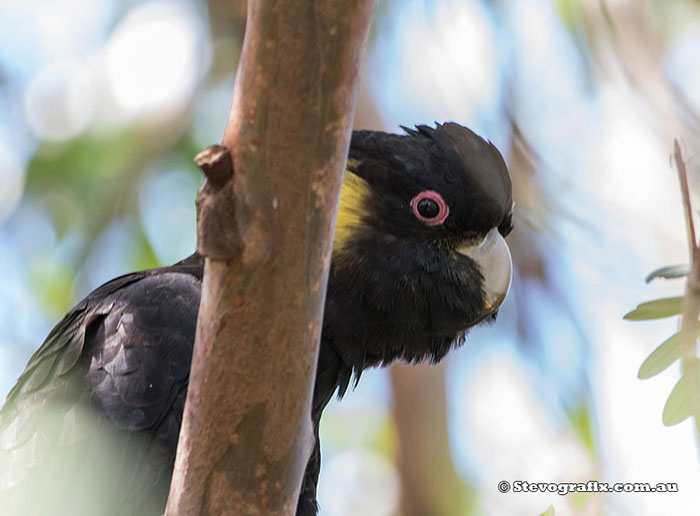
[[353, 205]]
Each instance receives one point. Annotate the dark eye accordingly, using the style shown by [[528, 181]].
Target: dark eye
[[430, 208]]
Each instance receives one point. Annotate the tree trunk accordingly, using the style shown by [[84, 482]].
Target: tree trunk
[[266, 230], [430, 485]]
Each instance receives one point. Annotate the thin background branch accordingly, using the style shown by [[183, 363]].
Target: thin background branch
[[691, 299]]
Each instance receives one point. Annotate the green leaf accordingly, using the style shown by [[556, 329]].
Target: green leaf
[[656, 309], [579, 500], [663, 356], [677, 406], [580, 419], [548, 512], [673, 271]]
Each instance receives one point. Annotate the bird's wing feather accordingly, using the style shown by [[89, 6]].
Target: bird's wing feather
[[100, 403]]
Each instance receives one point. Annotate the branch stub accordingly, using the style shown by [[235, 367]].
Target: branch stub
[[216, 164]]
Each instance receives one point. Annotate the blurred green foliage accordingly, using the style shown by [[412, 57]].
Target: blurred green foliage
[[548, 512], [656, 309], [87, 183], [679, 405]]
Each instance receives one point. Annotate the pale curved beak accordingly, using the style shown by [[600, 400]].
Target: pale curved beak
[[492, 255]]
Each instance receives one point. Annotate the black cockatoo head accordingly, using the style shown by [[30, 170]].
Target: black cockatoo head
[[419, 253]]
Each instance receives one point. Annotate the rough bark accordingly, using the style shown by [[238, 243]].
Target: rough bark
[[266, 230]]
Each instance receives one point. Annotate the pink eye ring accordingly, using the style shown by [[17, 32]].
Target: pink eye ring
[[430, 208]]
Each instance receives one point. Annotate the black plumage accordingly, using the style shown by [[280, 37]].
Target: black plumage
[[92, 424]]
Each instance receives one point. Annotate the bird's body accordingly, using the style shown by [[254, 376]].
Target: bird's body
[[91, 426]]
